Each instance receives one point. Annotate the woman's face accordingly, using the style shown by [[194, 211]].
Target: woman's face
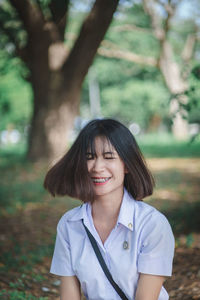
[[106, 168]]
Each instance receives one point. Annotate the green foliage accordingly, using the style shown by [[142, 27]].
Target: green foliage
[[15, 94], [136, 93], [38, 277], [23, 190], [140, 102], [139, 41], [129, 93], [164, 145], [23, 257], [17, 295], [12, 155], [185, 219], [18, 284], [134, 13], [20, 194], [14, 29], [193, 92], [178, 35]]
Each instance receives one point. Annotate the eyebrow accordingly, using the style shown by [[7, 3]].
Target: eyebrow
[[105, 153]]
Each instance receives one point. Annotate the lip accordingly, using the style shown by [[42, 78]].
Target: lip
[[100, 183]]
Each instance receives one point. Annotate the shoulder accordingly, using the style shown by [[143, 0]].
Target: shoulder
[[154, 229], [146, 214], [73, 214]]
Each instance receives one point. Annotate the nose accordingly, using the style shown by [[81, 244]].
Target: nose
[[98, 165]]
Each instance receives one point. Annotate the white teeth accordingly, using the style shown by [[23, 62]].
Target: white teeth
[[100, 180]]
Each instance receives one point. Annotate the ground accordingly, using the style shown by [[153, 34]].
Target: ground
[[27, 234]]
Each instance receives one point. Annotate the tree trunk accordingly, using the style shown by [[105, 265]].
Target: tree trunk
[[56, 101], [53, 119], [169, 68], [50, 129], [176, 85]]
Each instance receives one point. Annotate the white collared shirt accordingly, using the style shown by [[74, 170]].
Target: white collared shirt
[[150, 249]]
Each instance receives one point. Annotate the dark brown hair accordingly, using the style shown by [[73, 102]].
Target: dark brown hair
[[70, 176]]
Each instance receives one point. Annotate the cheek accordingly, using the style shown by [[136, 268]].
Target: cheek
[[89, 165], [122, 168], [119, 169]]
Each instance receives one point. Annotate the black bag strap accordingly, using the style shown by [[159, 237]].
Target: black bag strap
[[103, 264]]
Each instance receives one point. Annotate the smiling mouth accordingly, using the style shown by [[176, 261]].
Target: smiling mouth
[[100, 180]]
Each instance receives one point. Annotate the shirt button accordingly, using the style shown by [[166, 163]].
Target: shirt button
[[130, 225], [125, 245]]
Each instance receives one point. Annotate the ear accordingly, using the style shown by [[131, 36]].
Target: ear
[[125, 170]]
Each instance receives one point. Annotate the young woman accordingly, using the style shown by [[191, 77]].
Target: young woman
[[105, 169]]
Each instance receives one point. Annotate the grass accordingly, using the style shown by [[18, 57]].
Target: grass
[[22, 257], [184, 219], [18, 295], [21, 182], [12, 154], [164, 145]]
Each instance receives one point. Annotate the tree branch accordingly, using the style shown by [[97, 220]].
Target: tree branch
[[30, 14], [149, 7], [59, 10], [171, 70], [35, 24], [170, 9], [131, 27], [90, 37], [189, 46], [160, 31], [115, 52], [168, 67]]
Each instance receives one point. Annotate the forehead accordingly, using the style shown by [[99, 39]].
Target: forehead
[[101, 144]]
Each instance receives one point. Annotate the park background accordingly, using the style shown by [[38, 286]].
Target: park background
[[144, 71]]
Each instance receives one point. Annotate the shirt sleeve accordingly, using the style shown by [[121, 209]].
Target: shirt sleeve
[[157, 247], [61, 261]]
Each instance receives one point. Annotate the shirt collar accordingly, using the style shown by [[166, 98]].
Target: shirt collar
[[126, 213], [79, 213]]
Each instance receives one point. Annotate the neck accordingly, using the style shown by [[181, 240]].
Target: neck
[[106, 208]]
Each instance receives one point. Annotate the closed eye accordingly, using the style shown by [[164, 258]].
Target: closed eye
[[89, 156], [109, 155]]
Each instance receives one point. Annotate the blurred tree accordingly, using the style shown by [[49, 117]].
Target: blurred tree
[[154, 22], [34, 30], [14, 108], [193, 92], [130, 93]]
